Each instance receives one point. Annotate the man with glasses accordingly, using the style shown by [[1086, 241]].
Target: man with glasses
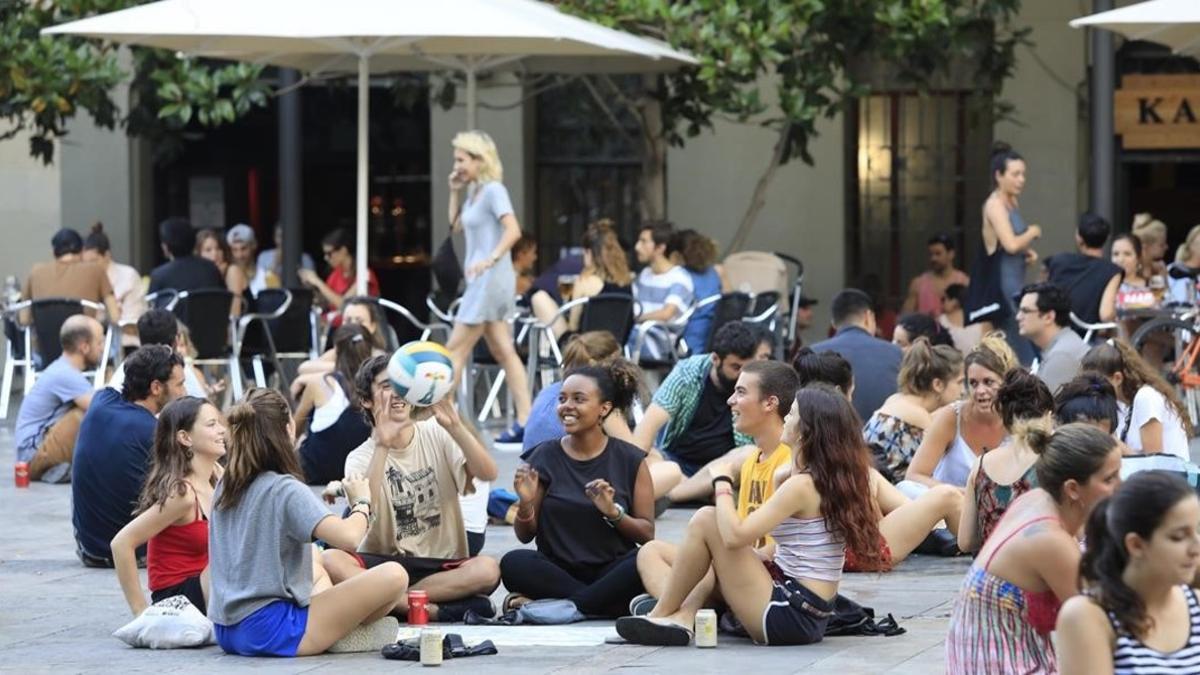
[[1043, 316]]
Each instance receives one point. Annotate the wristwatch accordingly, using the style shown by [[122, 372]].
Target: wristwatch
[[612, 522]]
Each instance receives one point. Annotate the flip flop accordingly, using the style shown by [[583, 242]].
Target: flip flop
[[643, 630]]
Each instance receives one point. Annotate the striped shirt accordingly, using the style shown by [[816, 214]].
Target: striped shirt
[[806, 549], [655, 291], [1131, 657]]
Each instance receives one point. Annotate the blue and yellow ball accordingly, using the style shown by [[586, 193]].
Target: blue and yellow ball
[[421, 372]]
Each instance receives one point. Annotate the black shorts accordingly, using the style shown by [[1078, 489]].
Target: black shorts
[[417, 568], [795, 615], [189, 588]]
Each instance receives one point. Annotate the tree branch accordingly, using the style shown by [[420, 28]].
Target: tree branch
[[608, 112]]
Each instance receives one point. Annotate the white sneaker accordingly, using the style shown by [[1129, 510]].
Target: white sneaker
[[368, 637]]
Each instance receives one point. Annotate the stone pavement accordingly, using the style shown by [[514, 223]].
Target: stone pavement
[[57, 616]]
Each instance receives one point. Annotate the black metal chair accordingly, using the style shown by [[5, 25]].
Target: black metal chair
[[256, 338], [206, 313], [729, 307], [46, 318], [296, 332]]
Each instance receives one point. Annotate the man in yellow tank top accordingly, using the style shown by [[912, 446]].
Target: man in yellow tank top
[[760, 401]]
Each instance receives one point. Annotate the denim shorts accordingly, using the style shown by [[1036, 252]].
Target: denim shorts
[[795, 615], [273, 630]]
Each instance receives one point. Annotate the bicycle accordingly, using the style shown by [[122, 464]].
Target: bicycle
[[1183, 331]]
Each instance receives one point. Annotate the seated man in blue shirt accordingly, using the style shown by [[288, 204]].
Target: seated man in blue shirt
[[49, 418], [112, 454]]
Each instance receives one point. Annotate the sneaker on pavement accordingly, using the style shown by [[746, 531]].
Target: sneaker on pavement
[[514, 436], [454, 611], [642, 604], [368, 637]]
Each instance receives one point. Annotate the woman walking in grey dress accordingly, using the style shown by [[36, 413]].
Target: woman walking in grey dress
[[1006, 235], [480, 206]]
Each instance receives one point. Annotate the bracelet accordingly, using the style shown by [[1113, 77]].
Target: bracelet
[[722, 479], [612, 522], [526, 518], [364, 514], [362, 500], [728, 492]]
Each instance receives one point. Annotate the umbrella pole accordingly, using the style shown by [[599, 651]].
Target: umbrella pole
[[471, 95], [364, 107]]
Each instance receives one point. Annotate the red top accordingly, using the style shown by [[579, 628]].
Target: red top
[[178, 553], [340, 283], [1041, 607]]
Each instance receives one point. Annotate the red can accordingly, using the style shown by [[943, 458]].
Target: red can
[[418, 612], [21, 474]]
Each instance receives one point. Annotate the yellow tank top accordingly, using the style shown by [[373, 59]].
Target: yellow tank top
[[757, 482]]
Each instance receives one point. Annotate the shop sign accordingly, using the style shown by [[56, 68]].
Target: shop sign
[[1158, 112]]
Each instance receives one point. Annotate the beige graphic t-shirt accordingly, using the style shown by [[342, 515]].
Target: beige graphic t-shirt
[[419, 514]]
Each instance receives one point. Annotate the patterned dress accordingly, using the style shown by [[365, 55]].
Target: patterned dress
[[992, 498], [893, 443]]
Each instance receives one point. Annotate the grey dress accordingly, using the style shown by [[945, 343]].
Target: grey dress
[[490, 296]]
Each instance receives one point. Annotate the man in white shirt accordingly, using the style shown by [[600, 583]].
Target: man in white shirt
[[417, 471], [663, 289]]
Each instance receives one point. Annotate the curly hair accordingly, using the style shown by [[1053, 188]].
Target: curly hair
[[833, 452]]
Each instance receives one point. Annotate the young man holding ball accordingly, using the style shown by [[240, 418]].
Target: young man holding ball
[[417, 469]]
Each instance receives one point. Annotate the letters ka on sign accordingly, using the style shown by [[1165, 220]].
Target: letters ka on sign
[[1158, 111]]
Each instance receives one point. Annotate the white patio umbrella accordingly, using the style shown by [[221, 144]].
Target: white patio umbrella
[[382, 36], [1174, 23]]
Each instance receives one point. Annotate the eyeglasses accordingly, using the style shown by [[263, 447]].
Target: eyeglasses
[[1028, 310]]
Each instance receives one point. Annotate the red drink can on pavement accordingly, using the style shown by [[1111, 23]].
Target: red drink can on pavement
[[21, 474], [418, 613]]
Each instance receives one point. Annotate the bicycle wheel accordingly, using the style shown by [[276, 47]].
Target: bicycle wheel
[[1155, 329]]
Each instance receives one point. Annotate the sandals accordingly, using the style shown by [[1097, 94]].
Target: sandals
[[512, 601], [642, 630]]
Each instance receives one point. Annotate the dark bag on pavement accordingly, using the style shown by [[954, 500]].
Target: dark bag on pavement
[[849, 618], [453, 647]]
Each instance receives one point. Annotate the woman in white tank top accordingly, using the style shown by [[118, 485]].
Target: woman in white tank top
[[814, 516]]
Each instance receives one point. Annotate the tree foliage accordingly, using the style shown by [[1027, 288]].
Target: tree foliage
[[45, 81], [797, 54]]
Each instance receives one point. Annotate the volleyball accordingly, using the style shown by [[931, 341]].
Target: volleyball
[[421, 372]]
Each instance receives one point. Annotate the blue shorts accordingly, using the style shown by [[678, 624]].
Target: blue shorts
[[274, 630], [687, 466]]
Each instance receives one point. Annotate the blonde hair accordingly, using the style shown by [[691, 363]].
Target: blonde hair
[[992, 353], [1181, 254], [924, 363], [1147, 229], [481, 146]]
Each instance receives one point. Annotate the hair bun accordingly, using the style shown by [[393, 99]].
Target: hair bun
[[1000, 147], [97, 227]]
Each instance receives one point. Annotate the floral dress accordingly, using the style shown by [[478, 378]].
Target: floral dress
[[893, 443]]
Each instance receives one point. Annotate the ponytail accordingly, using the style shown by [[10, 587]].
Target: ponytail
[[924, 363], [1137, 507], [258, 442]]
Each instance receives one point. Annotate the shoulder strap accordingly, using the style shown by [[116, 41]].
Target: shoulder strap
[[1011, 535], [1128, 421]]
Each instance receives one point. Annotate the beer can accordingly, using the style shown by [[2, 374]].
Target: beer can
[[418, 608], [21, 474], [706, 628], [431, 647]]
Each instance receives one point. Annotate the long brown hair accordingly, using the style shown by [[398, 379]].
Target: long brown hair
[[258, 442], [170, 460], [1117, 356], [351, 346], [833, 452], [609, 259], [209, 233]]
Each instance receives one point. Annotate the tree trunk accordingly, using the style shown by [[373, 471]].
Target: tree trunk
[[759, 199], [654, 155]]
